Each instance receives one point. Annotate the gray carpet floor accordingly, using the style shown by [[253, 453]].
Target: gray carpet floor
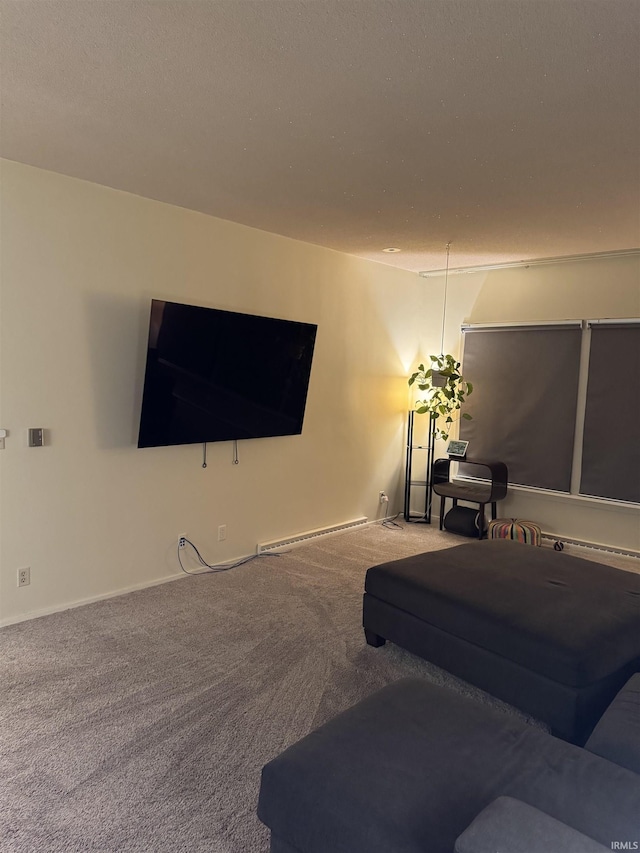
[[141, 723]]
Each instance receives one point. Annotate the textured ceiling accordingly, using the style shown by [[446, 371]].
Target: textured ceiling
[[509, 127]]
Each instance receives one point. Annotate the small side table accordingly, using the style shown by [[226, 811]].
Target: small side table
[[479, 493]]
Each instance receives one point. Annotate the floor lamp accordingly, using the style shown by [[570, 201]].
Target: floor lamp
[[426, 483]]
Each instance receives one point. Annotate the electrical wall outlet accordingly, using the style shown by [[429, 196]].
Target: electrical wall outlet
[[24, 576], [182, 542], [222, 532], [383, 497]]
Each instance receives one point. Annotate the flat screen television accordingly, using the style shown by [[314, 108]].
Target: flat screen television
[[214, 375]]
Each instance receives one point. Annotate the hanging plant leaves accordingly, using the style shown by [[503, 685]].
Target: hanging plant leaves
[[445, 398]]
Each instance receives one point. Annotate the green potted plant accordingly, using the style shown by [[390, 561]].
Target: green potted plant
[[445, 391]]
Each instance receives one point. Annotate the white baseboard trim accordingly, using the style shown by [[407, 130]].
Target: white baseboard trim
[[593, 546], [47, 611], [265, 547], [301, 538]]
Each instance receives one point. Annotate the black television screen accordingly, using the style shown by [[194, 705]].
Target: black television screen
[[214, 375]]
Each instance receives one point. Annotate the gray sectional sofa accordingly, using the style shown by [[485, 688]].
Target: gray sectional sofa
[[417, 768]]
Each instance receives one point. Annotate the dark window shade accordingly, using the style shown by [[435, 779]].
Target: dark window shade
[[524, 401], [611, 445]]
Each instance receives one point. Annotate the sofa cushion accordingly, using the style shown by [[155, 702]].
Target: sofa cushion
[[512, 825], [572, 620], [617, 735], [410, 767]]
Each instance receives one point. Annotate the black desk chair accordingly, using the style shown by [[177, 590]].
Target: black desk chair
[[481, 493]]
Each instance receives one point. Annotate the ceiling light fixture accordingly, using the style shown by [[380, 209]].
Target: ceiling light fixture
[[391, 250]]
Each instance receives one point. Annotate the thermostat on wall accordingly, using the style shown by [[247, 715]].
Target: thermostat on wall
[[457, 449], [36, 437]]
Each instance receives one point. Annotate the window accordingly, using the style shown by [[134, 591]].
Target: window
[[611, 445], [524, 402]]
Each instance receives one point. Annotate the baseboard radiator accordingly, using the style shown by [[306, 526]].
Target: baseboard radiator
[[300, 538], [593, 546]]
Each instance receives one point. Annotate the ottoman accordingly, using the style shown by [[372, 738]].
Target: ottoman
[[552, 634]]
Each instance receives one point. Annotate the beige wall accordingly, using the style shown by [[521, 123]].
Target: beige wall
[[594, 289], [90, 513]]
